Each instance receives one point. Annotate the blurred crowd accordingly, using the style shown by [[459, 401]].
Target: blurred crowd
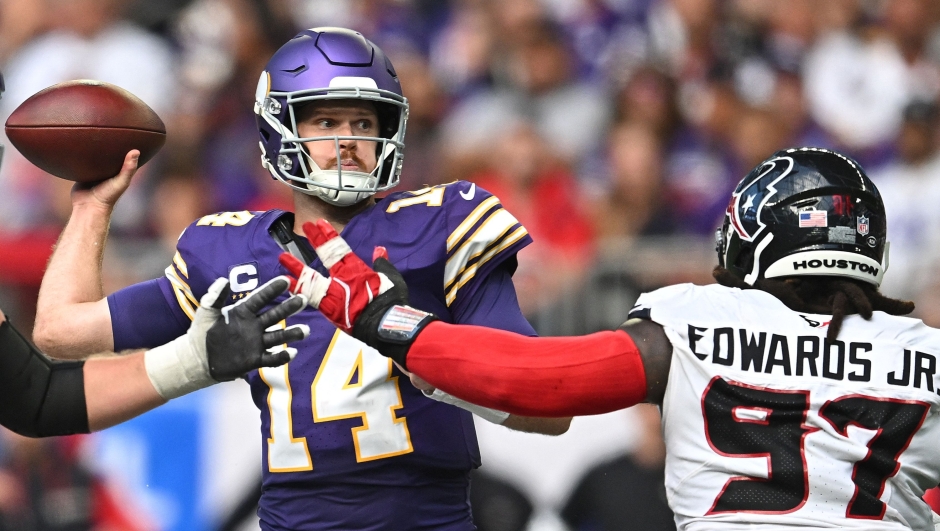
[[597, 122], [614, 130]]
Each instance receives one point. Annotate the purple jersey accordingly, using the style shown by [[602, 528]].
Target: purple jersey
[[348, 442]]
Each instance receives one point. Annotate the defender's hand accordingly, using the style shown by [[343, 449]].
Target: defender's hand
[[351, 286], [224, 343], [107, 192], [370, 304], [237, 343]]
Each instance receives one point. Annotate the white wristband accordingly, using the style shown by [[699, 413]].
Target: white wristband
[[182, 365], [174, 371], [491, 415]]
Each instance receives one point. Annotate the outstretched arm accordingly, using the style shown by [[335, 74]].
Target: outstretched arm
[[118, 389], [549, 376], [539, 377], [357, 284], [41, 397], [72, 315]]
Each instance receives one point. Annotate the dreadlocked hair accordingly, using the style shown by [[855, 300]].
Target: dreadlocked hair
[[824, 295]]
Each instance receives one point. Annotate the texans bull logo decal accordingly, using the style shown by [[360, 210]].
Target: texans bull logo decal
[[751, 196]]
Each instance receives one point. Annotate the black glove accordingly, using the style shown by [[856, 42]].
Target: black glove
[[388, 324], [237, 343]]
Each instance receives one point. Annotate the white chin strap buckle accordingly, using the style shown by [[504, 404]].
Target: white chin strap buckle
[[360, 185]]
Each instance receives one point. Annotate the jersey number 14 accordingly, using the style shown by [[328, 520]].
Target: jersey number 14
[[353, 381]]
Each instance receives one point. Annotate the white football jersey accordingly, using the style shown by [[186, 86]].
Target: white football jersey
[[768, 423]]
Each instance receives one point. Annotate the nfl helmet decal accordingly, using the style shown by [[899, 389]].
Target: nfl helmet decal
[[323, 64], [862, 226], [802, 212]]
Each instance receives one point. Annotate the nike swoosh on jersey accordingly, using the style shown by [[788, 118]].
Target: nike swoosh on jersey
[[469, 194]]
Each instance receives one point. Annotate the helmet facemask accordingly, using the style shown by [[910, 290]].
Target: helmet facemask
[[295, 166]]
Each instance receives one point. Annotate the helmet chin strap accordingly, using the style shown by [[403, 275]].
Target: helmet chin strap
[[336, 197], [339, 197], [884, 259], [751, 277]]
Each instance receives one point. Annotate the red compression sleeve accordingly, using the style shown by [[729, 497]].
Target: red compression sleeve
[[533, 376]]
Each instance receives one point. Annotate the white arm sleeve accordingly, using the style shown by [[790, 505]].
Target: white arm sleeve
[[491, 415]]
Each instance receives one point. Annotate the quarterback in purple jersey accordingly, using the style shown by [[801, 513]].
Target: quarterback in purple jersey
[[347, 442]]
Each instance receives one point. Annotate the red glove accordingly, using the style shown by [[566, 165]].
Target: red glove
[[352, 284]]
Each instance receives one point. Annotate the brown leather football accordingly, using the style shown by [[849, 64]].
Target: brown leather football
[[81, 130]]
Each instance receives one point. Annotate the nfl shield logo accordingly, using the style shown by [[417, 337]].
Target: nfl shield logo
[[862, 225]]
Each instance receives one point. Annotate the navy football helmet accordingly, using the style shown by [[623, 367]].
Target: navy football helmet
[[329, 64], [805, 211]]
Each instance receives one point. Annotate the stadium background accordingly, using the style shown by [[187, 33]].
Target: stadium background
[[613, 129]]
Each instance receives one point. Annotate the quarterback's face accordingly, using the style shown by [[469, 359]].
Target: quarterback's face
[[340, 118]]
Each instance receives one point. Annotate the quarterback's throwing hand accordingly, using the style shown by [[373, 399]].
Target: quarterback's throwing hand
[[368, 303]]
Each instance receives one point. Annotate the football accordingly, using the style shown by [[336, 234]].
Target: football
[[81, 130]]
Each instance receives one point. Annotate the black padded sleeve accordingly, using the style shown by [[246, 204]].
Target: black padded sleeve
[[39, 397]]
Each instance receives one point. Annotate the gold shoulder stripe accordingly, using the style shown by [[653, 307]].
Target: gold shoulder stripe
[[488, 233], [470, 221], [184, 295], [471, 271], [180, 264], [176, 279], [468, 252]]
